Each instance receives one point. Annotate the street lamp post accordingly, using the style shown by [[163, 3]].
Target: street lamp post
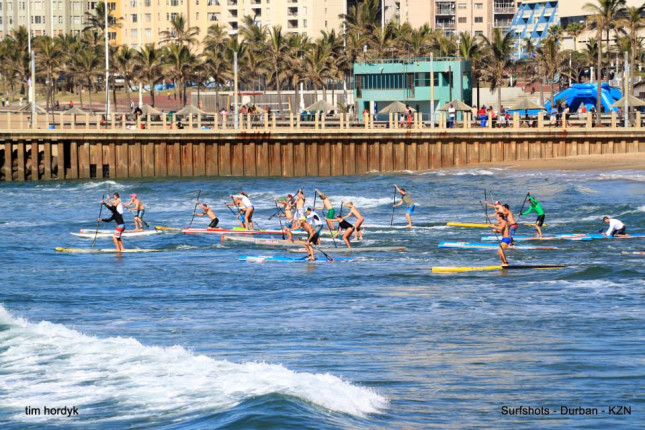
[[32, 68], [107, 62]]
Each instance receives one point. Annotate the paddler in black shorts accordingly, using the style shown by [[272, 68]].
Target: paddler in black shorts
[[209, 212], [120, 225]]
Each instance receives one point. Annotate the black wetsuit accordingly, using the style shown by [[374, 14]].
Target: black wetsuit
[[344, 225], [116, 216], [214, 223]]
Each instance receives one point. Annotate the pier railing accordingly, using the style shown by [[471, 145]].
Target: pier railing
[[91, 146]]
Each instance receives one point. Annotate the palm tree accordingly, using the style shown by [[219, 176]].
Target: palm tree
[[497, 60], [603, 18], [631, 24], [18, 41], [96, 21], [574, 30], [49, 57], [124, 65], [550, 58], [276, 49], [316, 66], [85, 64], [148, 68], [470, 50], [179, 33], [179, 61]]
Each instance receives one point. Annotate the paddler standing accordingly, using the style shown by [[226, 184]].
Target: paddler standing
[[353, 211], [287, 214], [405, 198], [117, 217], [140, 210], [314, 220], [535, 206], [502, 227], [331, 212], [208, 212], [248, 208]]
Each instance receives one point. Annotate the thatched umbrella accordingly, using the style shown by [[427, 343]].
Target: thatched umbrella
[[396, 107], [458, 105], [74, 111], [149, 110], [633, 102], [527, 104], [322, 105], [190, 110]]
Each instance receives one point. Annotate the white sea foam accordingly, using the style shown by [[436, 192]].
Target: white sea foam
[[50, 364]]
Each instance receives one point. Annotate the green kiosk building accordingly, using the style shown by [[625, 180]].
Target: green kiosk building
[[407, 80]]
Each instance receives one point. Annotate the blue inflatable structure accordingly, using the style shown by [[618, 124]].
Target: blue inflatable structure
[[578, 94]]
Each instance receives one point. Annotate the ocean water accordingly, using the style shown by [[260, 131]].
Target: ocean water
[[191, 337]]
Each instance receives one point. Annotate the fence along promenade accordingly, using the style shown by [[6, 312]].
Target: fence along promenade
[[86, 146]]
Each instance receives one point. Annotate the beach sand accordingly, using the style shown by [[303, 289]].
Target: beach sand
[[632, 161]]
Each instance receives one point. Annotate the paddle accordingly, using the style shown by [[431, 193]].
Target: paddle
[[195, 208], [98, 222], [281, 228], [523, 203], [323, 252], [393, 203]]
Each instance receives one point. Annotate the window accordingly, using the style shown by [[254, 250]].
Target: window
[[479, 19], [212, 17], [479, 5], [133, 33], [148, 33], [462, 20], [197, 16], [134, 18], [148, 17], [60, 19], [304, 23], [461, 6], [147, 3]]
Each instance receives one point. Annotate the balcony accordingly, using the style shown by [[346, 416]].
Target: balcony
[[292, 24], [292, 11], [505, 8], [257, 12], [443, 10], [231, 2], [502, 23], [445, 25], [256, 2]]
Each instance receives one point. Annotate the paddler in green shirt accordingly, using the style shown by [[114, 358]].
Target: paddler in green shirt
[[535, 206]]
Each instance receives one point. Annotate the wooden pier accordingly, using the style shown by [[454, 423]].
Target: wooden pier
[[115, 152]]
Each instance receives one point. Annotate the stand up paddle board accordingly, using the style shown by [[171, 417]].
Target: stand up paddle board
[[283, 259], [103, 234], [490, 268], [485, 246], [102, 251], [482, 224]]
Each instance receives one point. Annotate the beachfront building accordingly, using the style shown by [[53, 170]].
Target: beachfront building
[[381, 82], [477, 17], [48, 17], [150, 17], [532, 21]]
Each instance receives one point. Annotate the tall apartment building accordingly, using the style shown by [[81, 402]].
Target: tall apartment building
[[456, 16], [48, 17], [150, 17]]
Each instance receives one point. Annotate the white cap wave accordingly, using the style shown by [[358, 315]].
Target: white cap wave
[[47, 364]]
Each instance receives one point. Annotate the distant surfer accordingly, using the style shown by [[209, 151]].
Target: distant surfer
[[502, 227], [535, 206], [209, 213], [616, 228], [118, 219], [331, 212], [140, 210], [405, 198]]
